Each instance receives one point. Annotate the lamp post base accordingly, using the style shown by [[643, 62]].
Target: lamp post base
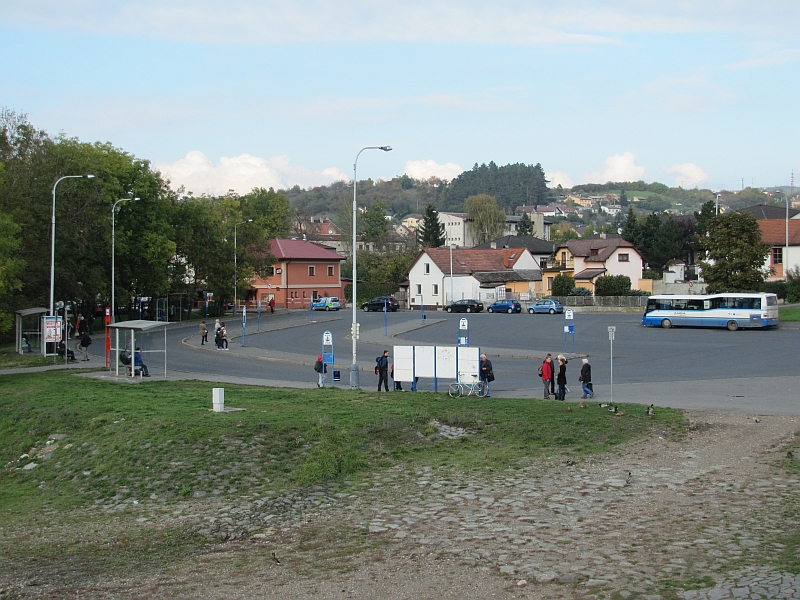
[[354, 384]]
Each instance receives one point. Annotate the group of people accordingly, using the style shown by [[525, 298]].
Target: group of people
[[220, 335], [556, 375]]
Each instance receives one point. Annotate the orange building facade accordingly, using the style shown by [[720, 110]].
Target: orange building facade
[[303, 271]]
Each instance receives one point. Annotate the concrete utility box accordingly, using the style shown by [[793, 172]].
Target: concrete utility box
[[218, 399]]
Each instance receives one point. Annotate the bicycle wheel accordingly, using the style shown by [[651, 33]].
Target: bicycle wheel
[[455, 390], [482, 389]]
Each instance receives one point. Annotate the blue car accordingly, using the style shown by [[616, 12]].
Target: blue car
[[546, 306], [506, 306]]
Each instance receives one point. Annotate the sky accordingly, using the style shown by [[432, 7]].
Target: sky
[[248, 93]]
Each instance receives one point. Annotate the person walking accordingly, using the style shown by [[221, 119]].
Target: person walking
[[223, 337], [81, 326], [83, 345], [320, 368], [546, 373], [383, 370], [203, 330], [216, 327], [586, 379], [272, 305], [561, 378], [486, 374]]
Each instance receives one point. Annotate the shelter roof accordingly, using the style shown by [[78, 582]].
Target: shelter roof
[[31, 311], [141, 325]]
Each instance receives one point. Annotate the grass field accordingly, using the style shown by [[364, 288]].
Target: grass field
[[158, 440], [789, 314]]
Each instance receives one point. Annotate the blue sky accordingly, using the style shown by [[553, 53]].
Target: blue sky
[[245, 93]]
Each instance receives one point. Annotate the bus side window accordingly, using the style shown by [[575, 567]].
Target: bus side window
[[694, 305], [706, 304]]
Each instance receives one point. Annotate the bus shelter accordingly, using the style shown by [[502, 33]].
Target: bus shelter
[[29, 332], [129, 335]]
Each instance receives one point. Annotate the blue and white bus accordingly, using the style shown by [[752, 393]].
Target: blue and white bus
[[714, 310]]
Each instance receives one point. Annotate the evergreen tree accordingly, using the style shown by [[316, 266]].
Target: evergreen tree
[[525, 225], [735, 254], [623, 198], [431, 231]]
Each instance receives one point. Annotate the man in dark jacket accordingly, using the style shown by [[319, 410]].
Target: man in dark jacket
[[547, 375], [586, 379], [486, 369], [83, 345], [383, 370]]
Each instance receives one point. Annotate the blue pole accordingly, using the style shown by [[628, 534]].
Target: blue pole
[[422, 307]]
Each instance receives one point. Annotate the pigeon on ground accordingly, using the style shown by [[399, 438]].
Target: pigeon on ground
[[629, 478], [570, 462], [275, 559], [758, 420], [650, 411], [790, 454]]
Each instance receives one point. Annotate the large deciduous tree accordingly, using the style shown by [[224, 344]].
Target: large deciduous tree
[[431, 231], [486, 220], [735, 254]]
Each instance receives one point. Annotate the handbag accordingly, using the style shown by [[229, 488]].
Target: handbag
[[490, 376]]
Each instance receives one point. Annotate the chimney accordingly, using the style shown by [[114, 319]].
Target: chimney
[[506, 258], [493, 245]]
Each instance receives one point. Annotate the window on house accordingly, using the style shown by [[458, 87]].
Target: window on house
[[594, 251], [427, 268], [777, 256], [269, 271], [419, 289], [330, 271], [549, 284], [312, 271], [563, 257], [435, 289], [304, 294], [624, 257]]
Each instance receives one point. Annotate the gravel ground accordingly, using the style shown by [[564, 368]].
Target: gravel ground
[[696, 518]]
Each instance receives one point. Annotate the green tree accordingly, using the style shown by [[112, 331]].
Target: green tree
[[563, 233], [670, 242], [431, 231], [525, 225], [632, 231], [486, 220], [562, 284], [9, 267], [623, 198], [735, 254], [373, 226]]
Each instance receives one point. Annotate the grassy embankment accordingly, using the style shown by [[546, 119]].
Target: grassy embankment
[[789, 314]]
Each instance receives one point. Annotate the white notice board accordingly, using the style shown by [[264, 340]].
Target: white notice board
[[468, 363], [446, 362], [403, 363], [424, 365]]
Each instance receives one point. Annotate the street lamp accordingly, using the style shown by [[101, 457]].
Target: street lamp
[[113, 235], [452, 296], [354, 383], [53, 238], [235, 270]]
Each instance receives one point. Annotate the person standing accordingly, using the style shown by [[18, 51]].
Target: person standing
[[383, 370], [81, 326], [546, 373], [223, 337], [320, 368], [561, 378], [486, 374], [203, 330], [83, 345], [398, 385], [586, 379], [216, 327], [272, 305]]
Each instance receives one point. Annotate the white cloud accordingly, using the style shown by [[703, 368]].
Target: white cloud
[[766, 60], [620, 167], [425, 169], [557, 178], [688, 175], [242, 173], [691, 94]]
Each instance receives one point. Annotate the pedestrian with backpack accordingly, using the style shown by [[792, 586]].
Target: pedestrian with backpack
[[83, 345], [382, 370], [320, 368]]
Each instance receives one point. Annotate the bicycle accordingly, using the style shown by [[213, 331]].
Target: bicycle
[[461, 388]]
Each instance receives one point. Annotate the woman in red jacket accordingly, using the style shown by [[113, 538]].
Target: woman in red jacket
[[547, 375]]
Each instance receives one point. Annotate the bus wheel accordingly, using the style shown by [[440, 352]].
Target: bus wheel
[[666, 323], [733, 325]]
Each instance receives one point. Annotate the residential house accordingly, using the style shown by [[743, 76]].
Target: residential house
[[412, 223], [302, 271], [455, 230], [549, 210], [773, 232], [588, 259], [580, 201], [611, 209], [541, 250], [485, 275]]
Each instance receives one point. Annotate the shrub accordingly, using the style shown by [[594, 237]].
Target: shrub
[[651, 274], [562, 285], [580, 291], [613, 285], [638, 293], [779, 288], [793, 285]]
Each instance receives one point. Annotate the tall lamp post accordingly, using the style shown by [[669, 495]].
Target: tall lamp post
[[235, 264], [786, 254], [113, 254], [354, 383], [452, 296], [53, 239]]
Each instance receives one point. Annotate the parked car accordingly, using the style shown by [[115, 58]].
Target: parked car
[[377, 304], [546, 306], [326, 303], [465, 306], [506, 306]]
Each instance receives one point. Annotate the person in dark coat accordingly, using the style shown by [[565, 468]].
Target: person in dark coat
[[383, 371], [561, 378], [83, 345], [486, 374], [547, 375], [586, 379]]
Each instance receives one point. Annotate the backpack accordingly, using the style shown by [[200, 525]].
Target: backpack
[[378, 365], [318, 366], [540, 371]]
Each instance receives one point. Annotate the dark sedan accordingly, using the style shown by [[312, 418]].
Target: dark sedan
[[377, 304], [506, 306], [465, 306]]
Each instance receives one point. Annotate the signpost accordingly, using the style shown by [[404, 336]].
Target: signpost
[[463, 332], [244, 325], [259, 315], [611, 330], [327, 354], [569, 328]]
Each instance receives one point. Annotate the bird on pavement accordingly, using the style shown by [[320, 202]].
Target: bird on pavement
[[629, 478], [275, 559]]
